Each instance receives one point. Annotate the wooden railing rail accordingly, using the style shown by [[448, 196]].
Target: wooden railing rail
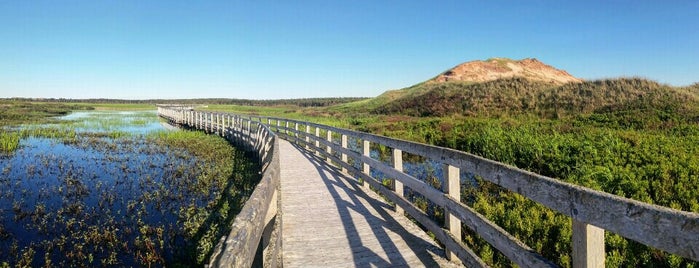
[[259, 221], [592, 212]]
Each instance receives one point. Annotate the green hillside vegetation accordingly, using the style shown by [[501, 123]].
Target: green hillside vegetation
[[630, 137], [517, 96]]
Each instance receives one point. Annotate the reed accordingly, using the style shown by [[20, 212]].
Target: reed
[[9, 141]]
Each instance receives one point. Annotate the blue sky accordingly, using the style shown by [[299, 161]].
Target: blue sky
[[296, 49]]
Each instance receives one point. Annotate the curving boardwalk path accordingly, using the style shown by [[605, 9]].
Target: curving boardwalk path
[[330, 221]]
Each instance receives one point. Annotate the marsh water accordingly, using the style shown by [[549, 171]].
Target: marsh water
[[99, 188]]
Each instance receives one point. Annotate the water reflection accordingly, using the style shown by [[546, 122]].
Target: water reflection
[[96, 198]]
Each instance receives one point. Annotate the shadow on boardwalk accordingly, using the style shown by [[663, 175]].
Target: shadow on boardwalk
[[339, 224]]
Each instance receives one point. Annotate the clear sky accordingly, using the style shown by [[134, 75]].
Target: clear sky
[[295, 49]]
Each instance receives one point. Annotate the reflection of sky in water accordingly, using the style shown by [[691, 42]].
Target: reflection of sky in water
[[42, 171]]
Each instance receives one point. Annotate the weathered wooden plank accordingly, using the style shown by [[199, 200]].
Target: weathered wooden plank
[[588, 245], [452, 187]]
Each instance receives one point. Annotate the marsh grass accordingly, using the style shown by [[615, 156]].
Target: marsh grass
[[229, 186], [9, 141], [19, 112], [117, 193]]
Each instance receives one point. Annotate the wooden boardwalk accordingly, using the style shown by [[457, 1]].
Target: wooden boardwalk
[[330, 221], [327, 220]]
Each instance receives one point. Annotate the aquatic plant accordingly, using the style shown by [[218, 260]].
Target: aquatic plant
[[9, 141], [118, 195]]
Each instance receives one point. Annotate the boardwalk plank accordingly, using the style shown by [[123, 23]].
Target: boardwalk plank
[[328, 221]]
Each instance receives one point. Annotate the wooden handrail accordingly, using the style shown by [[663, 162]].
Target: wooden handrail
[[660, 227], [259, 219], [663, 228]]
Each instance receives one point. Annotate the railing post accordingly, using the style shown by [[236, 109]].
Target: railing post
[[308, 132], [588, 245], [366, 151], [317, 149], [248, 135], [344, 145], [296, 132], [286, 128], [397, 157], [452, 187], [227, 126], [221, 121], [328, 149], [218, 124]]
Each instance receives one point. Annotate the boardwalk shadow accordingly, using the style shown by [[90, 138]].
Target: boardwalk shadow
[[380, 221]]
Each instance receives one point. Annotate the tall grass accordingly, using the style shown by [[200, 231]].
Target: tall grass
[[9, 141]]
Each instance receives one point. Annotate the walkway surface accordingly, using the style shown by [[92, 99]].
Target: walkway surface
[[329, 221]]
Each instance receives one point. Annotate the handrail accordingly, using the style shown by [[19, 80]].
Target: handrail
[[656, 226], [259, 218], [660, 227]]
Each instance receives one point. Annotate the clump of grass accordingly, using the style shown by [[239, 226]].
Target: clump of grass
[[9, 141]]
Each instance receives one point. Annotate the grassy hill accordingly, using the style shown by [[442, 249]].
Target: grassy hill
[[613, 101]]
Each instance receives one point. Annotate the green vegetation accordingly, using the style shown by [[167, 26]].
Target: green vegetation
[[630, 137], [654, 166], [19, 112], [9, 141]]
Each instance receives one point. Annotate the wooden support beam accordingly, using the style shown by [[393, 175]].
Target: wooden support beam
[[343, 157], [452, 187], [317, 141], [588, 245], [366, 168], [328, 149], [397, 158]]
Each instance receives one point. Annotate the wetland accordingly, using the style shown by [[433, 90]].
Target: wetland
[[116, 188]]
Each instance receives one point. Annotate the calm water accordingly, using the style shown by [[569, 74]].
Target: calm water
[[98, 198]]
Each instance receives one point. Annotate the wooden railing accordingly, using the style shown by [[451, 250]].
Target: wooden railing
[[259, 220], [592, 212]]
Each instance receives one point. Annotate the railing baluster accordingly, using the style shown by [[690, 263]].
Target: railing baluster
[[328, 149], [366, 169], [308, 132], [397, 158], [296, 132], [588, 245], [344, 155], [317, 149], [452, 187]]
